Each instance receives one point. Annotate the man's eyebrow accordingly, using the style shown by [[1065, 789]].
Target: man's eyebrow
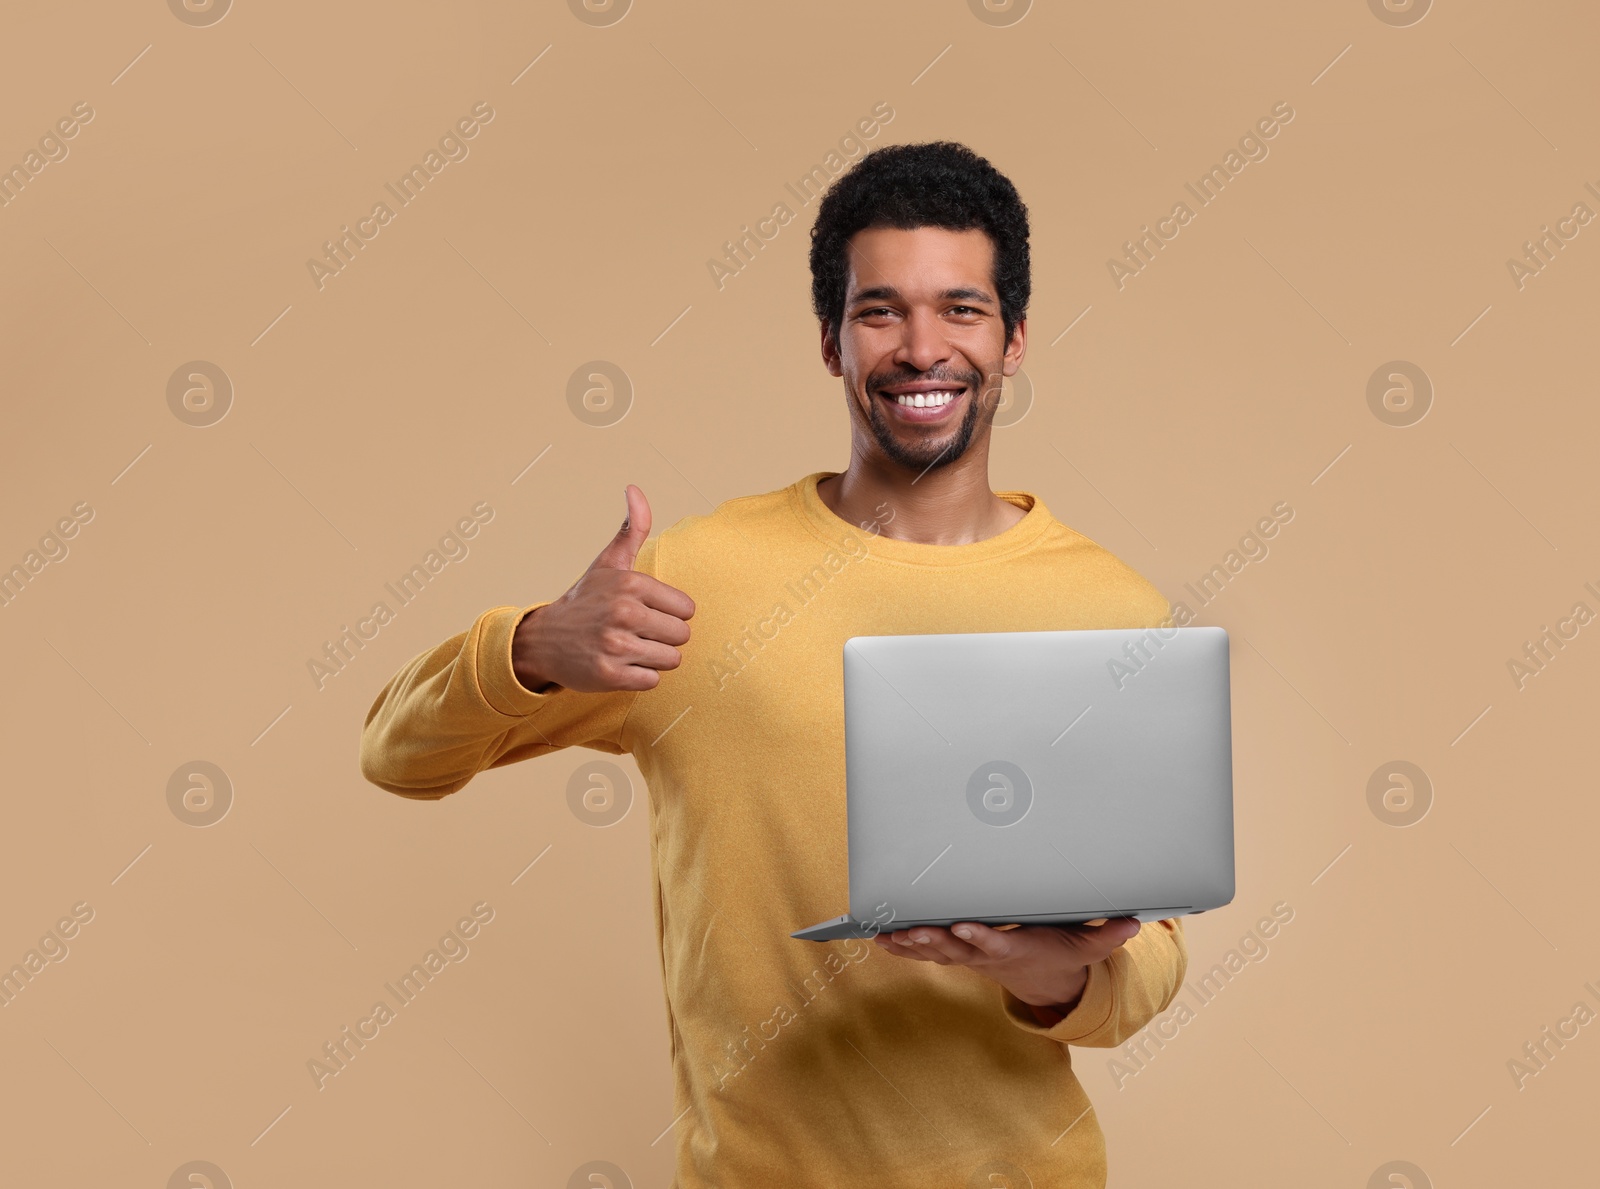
[[890, 293]]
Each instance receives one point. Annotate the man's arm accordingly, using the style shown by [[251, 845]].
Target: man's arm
[[1082, 984], [458, 709], [1121, 993], [471, 702]]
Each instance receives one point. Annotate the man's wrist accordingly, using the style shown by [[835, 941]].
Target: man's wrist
[[1062, 1001], [521, 656]]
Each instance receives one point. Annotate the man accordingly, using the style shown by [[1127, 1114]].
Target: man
[[928, 1056]]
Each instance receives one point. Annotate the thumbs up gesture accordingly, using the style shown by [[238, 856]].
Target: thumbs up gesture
[[616, 629]]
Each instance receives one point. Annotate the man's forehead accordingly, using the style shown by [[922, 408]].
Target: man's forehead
[[921, 258]]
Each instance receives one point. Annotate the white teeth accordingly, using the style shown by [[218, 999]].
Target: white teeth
[[923, 400]]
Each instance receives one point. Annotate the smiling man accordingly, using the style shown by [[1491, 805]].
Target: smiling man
[[928, 1056]]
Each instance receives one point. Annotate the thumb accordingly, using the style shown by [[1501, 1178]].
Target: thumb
[[625, 546], [1119, 929]]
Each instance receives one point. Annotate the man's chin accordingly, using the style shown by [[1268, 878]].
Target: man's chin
[[922, 454]]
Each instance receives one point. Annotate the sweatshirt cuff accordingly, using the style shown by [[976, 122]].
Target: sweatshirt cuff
[[1090, 1014], [496, 678]]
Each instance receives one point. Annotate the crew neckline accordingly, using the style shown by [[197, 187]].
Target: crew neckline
[[831, 527]]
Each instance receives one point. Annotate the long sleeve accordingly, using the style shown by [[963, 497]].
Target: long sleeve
[[1123, 993], [458, 708]]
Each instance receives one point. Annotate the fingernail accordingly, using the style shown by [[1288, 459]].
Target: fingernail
[[963, 933], [627, 513]]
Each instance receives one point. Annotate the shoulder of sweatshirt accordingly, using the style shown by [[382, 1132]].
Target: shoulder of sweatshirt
[[1097, 565], [728, 532]]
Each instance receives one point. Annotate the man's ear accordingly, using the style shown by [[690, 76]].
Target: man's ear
[[1017, 347], [830, 351]]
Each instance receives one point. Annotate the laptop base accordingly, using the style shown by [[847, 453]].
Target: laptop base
[[843, 927]]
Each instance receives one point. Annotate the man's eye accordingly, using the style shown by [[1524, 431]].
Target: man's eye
[[964, 310]]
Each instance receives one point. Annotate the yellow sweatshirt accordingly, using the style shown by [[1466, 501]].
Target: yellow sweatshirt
[[797, 1063]]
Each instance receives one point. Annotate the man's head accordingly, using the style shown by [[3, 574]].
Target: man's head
[[920, 283]]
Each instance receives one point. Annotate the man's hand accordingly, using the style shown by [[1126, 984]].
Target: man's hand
[[613, 630], [1045, 966]]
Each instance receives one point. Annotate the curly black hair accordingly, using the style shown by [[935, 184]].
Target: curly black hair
[[936, 184]]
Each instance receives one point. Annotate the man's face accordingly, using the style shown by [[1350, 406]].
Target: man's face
[[922, 319]]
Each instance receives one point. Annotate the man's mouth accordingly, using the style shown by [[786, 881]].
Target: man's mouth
[[923, 404]]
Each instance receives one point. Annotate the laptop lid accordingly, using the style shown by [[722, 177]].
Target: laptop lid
[[1023, 775]]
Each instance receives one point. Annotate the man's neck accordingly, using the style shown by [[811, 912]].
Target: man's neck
[[952, 505]]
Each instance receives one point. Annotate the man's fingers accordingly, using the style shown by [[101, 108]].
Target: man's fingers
[[630, 538], [933, 944], [992, 942], [945, 945], [659, 625], [1091, 938], [647, 654], [914, 944], [633, 678], [890, 945], [656, 594], [1123, 927]]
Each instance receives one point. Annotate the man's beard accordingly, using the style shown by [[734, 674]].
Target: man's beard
[[928, 454]]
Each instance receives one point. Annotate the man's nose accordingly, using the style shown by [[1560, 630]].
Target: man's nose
[[923, 344]]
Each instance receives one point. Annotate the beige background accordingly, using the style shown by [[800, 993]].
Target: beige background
[[371, 414]]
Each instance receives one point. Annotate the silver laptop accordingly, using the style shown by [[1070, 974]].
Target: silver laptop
[[1035, 778]]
